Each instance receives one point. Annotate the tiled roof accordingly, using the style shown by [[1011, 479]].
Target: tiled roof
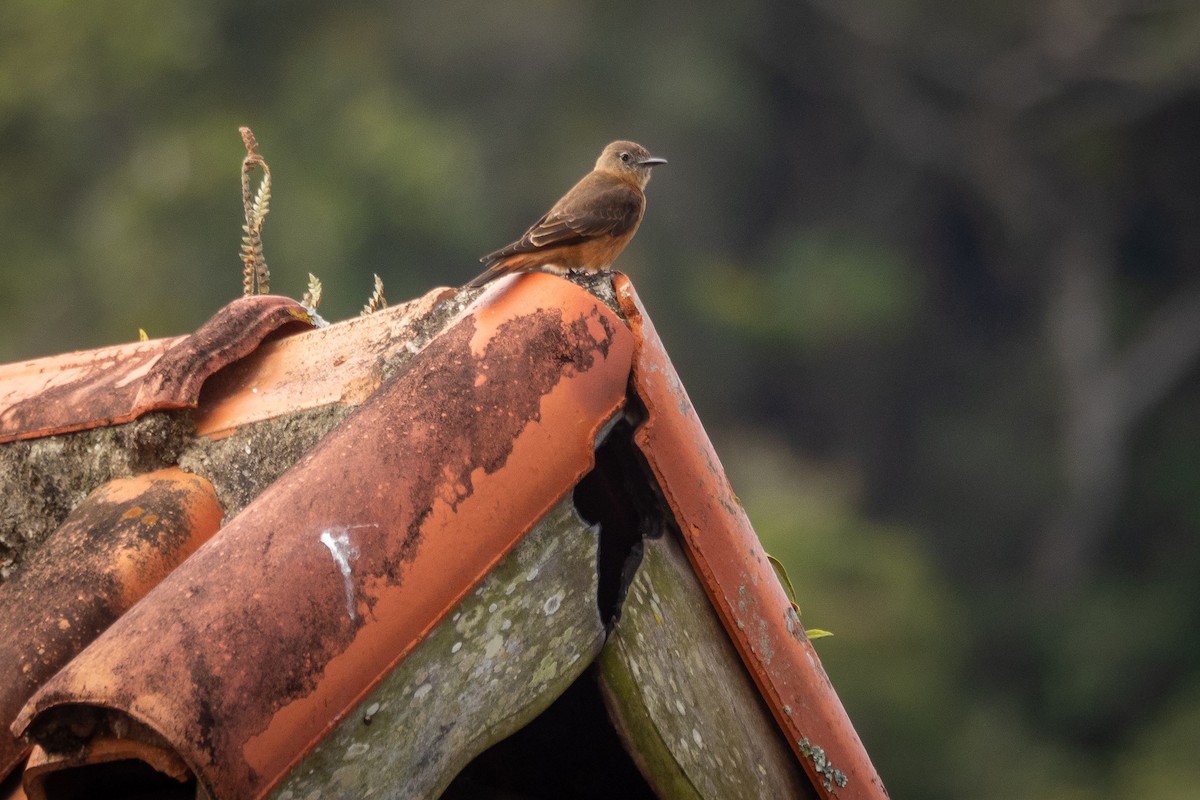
[[373, 474]]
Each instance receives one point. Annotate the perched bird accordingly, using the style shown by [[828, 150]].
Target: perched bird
[[589, 226]]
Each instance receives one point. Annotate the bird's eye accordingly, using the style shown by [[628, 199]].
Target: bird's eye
[[625, 157]]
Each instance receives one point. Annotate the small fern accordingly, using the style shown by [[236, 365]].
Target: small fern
[[256, 277], [377, 300], [312, 297]]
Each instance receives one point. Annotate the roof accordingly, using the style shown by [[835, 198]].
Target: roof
[[377, 477]]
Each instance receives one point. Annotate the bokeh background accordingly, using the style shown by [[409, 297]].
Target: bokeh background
[[928, 269]]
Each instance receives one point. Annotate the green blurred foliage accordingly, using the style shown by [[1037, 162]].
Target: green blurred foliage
[[898, 249], [821, 289], [1160, 761], [878, 584]]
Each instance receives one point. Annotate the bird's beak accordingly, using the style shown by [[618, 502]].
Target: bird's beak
[[652, 161]]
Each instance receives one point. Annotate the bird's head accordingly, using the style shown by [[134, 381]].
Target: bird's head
[[628, 159]]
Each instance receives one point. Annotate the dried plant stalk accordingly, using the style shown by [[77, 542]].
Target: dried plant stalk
[[377, 300], [256, 277]]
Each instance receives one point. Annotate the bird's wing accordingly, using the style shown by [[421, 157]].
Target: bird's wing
[[610, 207]]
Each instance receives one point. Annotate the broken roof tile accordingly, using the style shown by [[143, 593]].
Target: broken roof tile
[[81, 390]]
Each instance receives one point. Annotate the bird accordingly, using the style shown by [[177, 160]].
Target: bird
[[589, 226]]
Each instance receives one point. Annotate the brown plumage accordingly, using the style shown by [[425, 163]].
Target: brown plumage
[[589, 226]]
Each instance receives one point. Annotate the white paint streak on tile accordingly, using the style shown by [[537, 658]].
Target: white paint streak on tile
[[344, 552]]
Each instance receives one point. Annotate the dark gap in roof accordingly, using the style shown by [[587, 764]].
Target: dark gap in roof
[[128, 778], [8, 786], [620, 495], [569, 751]]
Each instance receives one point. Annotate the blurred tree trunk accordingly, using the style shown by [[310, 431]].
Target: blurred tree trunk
[[1107, 393], [979, 115]]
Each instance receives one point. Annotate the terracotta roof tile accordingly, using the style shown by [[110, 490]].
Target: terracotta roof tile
[[141, 750], [739, 580], [343, 363], [117, 545], [474, 422], [82, 390], [244, 656]]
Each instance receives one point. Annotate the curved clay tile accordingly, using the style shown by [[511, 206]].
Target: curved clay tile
[[251, 650], [341, 363], [113, 548], [513, 645], [740, 582], [89, 389]]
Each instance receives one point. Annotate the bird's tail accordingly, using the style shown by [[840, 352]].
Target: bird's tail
[[488, 275]]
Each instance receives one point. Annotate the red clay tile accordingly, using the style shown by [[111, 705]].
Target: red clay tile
[[250, 651], [338, 364], [349, 559], [122, 540], [90, 389], [740, 582]]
